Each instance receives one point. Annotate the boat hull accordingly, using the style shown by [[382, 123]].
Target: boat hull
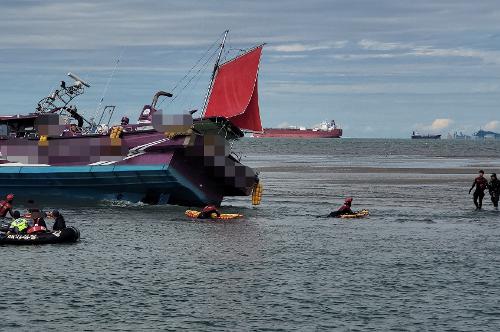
[[426, 137], [66, 235], [190, 169], [154, 184]]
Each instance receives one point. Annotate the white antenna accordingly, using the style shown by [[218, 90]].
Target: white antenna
[[78, 80]]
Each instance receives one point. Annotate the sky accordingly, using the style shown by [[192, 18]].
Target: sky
[[379, 68]]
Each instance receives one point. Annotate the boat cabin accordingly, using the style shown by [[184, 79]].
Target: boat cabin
[[18, 127]]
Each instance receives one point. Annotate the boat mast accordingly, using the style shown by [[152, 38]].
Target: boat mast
[[216, 66]]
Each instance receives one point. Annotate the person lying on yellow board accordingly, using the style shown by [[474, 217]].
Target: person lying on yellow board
[[345, 211], [211, 212]]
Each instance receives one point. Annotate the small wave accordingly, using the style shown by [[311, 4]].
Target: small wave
[[120, 203]]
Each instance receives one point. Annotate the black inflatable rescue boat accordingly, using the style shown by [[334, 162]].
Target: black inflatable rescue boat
[[66, 235]]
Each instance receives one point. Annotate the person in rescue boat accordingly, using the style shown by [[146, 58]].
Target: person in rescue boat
[[481, 185], [33, 210], [344, 209], [209, 212], [18, 225], [39, 225], [6, 206], [59, 222], [36, 214], [40, 221]]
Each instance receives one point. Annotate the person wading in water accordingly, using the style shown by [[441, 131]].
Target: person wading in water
[[494, 187], [481, 185]]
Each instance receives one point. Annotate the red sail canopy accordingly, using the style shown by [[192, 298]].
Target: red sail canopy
[[234, 92]]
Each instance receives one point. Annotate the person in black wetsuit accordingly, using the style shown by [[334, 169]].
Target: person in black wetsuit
[[344, 209], [59, 223], [207, 212], [494, 187], [481, 184]]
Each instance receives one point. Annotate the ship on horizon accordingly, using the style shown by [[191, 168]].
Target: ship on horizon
[[416, 135], [324, 130]]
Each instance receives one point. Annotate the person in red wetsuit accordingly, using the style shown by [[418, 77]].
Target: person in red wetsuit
[[207, 212], [344, 209], [39, 225], [6, 206], [481, 184]]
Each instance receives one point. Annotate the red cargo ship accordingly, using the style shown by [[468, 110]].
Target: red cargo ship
[[325, 130]]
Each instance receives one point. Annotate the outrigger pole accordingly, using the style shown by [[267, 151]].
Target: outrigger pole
[[94, 124], [216, 66]]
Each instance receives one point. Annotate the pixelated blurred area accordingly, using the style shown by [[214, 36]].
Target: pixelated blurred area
[[49, 124], [215, 152], [4, 131], [20, 152], [172, 123], [84, 150], [209, 146]]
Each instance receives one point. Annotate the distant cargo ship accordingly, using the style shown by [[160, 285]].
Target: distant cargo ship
[[428, 136], [324, 130]]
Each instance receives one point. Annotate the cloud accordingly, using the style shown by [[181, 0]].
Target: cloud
[[485, 56], [439, 124], [364, 56], [374, 45], [95, 25], [418, 50], [284, 125], [287, 56], [431, 88], [492, 125], [305, 47], [436, 125], [399, 49]]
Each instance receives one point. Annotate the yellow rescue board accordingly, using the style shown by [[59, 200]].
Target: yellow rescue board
[[360, 214], [195, 214]]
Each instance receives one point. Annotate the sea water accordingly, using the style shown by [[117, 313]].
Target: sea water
[[423, 260]]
